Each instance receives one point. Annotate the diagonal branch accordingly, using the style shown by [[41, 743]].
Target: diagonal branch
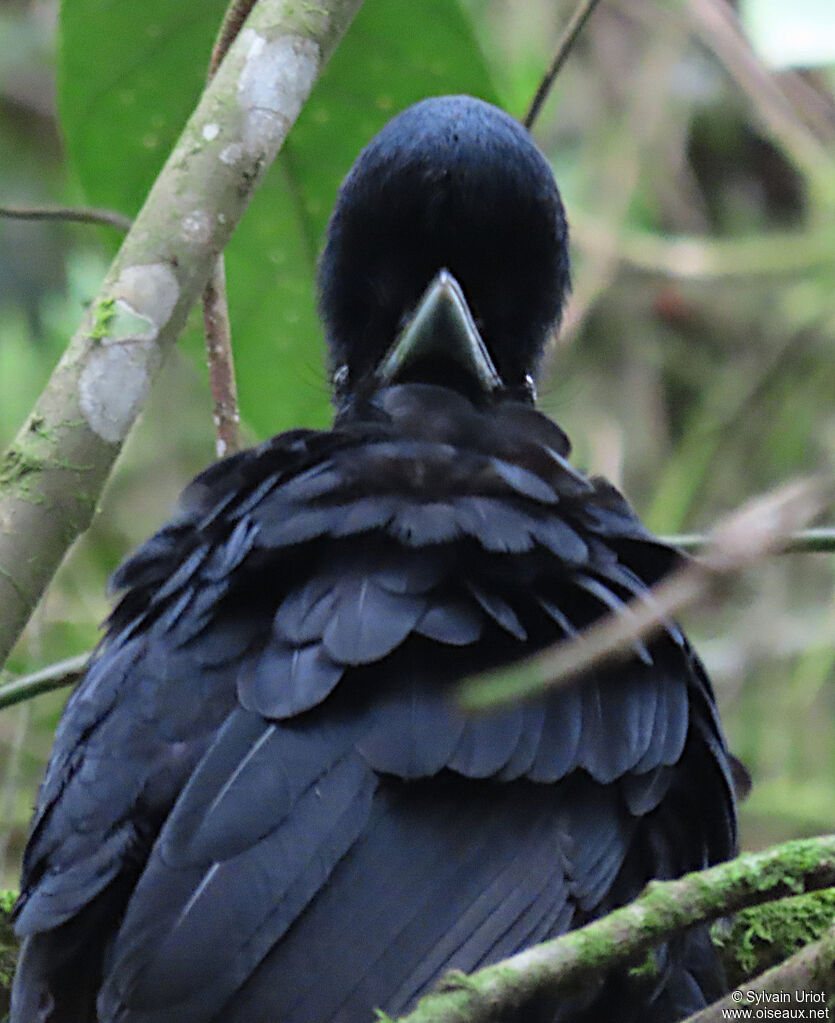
[[45, 680], [221, 362], [572, 30], [52, 474], [665, 908], [68, 672], [216, 324], [757, 529], [811, 971], [662, 910], [818, 540], [233, 21]]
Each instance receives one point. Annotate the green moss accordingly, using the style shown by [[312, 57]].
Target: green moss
[[8, 946], [763, 936], [102, 318], [648, 969], [796, 859], [16, 466], [777, 876], [456, 980], [37, 426], [20, 467]]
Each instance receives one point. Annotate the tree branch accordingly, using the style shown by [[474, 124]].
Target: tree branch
[[216, 323], [664, 908], [53, 473], [805, 541], [54, 676], [221, 363], [79, 214], [622, 937], [68, 672], [233, 21], [811, 970], [581, 15], [761, 937]]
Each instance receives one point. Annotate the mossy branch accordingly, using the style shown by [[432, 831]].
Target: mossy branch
[[54, 471], [796, 874], [761, 937], [625, 935], [811, 971]]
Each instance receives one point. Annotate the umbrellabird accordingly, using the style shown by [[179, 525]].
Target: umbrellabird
[[264, 804]]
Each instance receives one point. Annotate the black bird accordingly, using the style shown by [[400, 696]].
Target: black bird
[[263, 805]]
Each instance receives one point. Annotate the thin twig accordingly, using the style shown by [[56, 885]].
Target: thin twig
[[221, 363], [65, 673], [750, 534], [574, 27], [665, 908], [216, 322], [236, 14], [79, 214], [805, 541], [54, 676]]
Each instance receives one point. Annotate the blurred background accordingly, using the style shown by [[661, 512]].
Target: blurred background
[[696, 366]]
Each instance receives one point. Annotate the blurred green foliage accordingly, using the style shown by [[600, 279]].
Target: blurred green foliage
[[153, 64], [689, 387]]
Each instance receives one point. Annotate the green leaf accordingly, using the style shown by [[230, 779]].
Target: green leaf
[[122, 112], [129, 75]]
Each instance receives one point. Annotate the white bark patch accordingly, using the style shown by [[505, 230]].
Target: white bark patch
[[114, 386], [149, 292], [117, 378], [196, 227], [231, 154], [211, 132], [275, 82]]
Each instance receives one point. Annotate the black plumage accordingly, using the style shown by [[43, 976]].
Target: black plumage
[[262, 803]]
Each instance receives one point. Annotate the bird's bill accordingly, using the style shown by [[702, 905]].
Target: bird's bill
[[441, 328]]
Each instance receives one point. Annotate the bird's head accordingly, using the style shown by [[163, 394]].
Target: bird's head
[[447, 255]]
